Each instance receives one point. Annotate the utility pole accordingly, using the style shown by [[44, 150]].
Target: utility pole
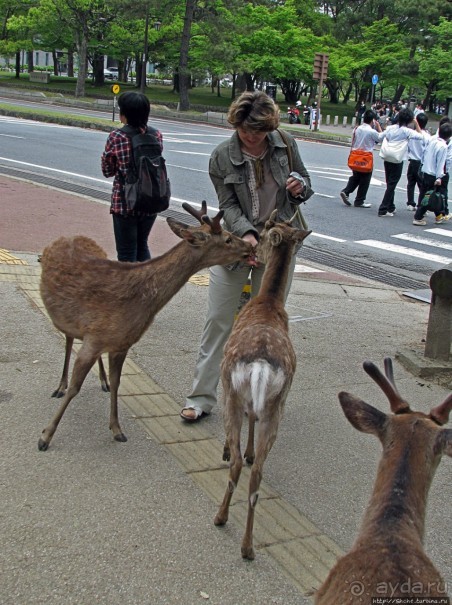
[[320, 73]]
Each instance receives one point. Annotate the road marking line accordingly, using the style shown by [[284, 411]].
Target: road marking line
[[435, 258], [418, 239], [440, 231]]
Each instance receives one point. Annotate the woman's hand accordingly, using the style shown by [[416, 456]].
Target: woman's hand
[[294, 186], [251, 260]]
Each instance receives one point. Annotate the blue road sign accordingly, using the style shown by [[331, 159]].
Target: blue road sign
[[374, 79]]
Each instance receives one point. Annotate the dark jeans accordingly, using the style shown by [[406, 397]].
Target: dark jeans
[[393, 172], [443, 190], [428, 182], [131, 236], [360, 180], [413, 179]]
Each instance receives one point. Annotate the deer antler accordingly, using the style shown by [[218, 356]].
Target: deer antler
[[386, 384], [440, 414], [214, 223], [196, 213]]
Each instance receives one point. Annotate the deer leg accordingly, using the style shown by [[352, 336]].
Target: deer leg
[[115, 363], [103, 376], [266, 438], [235, 467], [249, 452], [84, 362], [60, 391]]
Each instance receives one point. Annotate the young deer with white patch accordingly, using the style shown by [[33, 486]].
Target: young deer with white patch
[[109, 305], [258, 367], [388, 558]]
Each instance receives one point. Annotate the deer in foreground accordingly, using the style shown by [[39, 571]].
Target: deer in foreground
[[388, 559], [257, 369], [109, 304]]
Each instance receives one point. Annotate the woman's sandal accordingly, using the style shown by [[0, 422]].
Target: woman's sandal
[[193, 415]]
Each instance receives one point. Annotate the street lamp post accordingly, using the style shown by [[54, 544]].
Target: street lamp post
[[157, 25]]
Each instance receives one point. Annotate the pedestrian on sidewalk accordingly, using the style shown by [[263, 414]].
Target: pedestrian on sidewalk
[[131, 229], [433, 172], [397, 133], [364, 138], [250, 173], [416, 149]]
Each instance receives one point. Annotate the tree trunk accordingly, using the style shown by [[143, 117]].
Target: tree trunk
[[30, 62], [333, 90], [348, 93], [82, 48], [184, 75], [55, 63], [398, 93], [17, 64], [98, 69], [70, 63]]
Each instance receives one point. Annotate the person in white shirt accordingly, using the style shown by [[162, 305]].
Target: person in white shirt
[[434, 171], [364, 137], [415, 152], [393, 170]]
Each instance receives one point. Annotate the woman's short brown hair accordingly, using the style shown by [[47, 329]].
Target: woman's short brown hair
[[254, 111]]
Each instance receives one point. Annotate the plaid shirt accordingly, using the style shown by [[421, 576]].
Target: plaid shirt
[[115, 162]]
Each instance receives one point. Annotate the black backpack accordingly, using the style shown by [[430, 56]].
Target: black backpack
[[147, 187]]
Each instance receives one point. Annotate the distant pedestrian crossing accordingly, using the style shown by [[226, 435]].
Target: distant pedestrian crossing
[[423, 248]]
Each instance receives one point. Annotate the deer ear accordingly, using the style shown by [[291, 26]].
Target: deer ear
[[443, 443], [176, 227], [361, 415], [275, 237]]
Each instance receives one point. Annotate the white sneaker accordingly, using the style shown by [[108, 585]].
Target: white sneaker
[[411, 208], [387, 214], [440, 219], [420, 223]]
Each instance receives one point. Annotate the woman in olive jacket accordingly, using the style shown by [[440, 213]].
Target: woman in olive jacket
[[252, 176]]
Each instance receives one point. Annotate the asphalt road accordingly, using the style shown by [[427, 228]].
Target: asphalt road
[[354, 235]]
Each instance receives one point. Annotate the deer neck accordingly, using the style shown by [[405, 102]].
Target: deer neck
[[169, 272], [398, 503], [274, 281]]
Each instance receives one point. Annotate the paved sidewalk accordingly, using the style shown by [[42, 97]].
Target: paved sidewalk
[[94, 521]]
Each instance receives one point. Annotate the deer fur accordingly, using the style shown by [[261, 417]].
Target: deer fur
[[109, 304], [257, 369], [388, 558]]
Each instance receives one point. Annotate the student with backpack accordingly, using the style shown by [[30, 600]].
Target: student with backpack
[[133, 219]]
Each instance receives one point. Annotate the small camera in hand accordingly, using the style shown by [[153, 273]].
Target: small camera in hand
[[297, 175]]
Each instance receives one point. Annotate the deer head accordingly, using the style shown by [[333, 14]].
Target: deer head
[[222, 245], [368, 419], [274, 234]]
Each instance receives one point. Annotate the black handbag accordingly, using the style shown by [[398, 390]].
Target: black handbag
[[434, 200]]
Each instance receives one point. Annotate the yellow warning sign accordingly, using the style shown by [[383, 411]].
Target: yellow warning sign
[[115, 89]]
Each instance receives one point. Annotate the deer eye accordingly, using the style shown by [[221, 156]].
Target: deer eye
[[228, 240]]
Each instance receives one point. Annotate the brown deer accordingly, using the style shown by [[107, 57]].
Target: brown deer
[[257, 369], [388, 559], [109, 304]]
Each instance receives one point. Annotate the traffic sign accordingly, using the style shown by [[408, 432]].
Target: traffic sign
[[374, 79], [115, 89]]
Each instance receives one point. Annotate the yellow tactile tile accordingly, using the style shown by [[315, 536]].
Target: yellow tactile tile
[[8, 259]]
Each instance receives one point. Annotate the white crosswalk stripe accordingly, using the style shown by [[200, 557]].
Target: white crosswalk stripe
[[435, 258], [418, 239]]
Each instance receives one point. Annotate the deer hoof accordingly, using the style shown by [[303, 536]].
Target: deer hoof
[[58, 393], [219, 521], [248, 553], [249, 460], [120, 437], [105, 388], [226, 455], [43, 445]]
